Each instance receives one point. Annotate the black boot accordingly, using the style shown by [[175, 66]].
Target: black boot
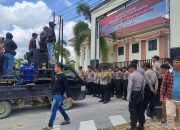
[[140, 127], [131, 129]]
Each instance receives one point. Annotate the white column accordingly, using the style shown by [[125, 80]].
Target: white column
[[174, 23]]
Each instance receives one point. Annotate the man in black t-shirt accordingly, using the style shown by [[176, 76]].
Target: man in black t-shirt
[[59, 88]]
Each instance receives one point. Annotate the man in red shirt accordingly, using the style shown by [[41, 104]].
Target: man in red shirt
[[32, 47], [165, 71]]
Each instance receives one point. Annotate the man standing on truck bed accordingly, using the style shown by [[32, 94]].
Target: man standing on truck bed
[[9, 47], [58, 90], [1, 55]]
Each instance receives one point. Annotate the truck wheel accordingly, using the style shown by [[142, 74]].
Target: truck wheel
[[5, 109], [67, 104]]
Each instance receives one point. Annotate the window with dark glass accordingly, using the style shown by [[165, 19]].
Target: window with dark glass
[[135, 48], [152, 45], [121, 51]]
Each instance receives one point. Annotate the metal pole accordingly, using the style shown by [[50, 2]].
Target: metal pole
[[59, 41], [62, 43], [54, 15]]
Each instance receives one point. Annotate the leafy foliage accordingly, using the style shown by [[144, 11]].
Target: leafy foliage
[[25, 57], [103, 49], [114, 37], [65, 53], [84, 9], [80, 34], [18, 62]]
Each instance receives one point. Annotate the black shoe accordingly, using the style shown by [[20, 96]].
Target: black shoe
[[140, 127], [131, 129], [65, 123], [105, 102], [100, 100]]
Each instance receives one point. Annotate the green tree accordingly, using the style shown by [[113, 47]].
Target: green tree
[[103, 49], [65, 53], [18, 62], [84, 9], [25, 56], [81, 32]]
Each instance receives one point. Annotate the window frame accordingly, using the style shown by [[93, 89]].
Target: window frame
[[120, 54], [151, 48], [132, 50]]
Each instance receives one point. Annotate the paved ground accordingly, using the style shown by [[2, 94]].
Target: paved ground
[[88, 114], [150, 125]]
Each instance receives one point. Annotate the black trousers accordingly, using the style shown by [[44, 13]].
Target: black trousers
[[90, 88], [149, 100], [112, 86], [158, 102], [95, 89], [125, 84], [98, 90], [118, 87], [136, 108], [105, 94]]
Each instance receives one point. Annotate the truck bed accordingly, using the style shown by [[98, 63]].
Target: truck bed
[[24, 91]]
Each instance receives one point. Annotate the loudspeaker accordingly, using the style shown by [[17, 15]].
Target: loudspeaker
[[40, 57], [174, 52]]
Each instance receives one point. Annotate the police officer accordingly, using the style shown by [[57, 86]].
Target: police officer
[[90, 80], [139, 69], [135, 97], [112, 76], [125, 82], [98, 75], [150, 90], [81, 73], [104, 81], [118, 82]]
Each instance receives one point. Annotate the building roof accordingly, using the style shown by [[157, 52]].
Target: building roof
[[100, 5]]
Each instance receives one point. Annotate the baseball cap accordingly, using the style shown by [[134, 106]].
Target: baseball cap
[[156, 57]]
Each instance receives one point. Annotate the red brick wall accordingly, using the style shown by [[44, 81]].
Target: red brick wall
[[127, 52], [143, 50]]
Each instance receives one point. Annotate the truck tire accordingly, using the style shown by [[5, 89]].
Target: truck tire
[[67, 104], [5, 109]]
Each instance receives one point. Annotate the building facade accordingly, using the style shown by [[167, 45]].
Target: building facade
[[142, 29]]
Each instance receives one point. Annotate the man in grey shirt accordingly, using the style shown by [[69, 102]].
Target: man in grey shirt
[[90, 80], [118, 82], [150, 90], [135, 97]]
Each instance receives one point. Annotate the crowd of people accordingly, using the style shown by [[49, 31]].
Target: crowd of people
[[106, 83], [144, 87], [8, 48]]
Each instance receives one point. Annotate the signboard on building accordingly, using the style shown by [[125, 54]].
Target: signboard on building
[[138, 12]]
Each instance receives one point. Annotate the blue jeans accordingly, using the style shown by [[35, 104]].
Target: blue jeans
[[1, 63], [50, 50], [57, 105], [9, 63]]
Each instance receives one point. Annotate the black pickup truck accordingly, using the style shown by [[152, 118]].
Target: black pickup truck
[[38, 93]]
